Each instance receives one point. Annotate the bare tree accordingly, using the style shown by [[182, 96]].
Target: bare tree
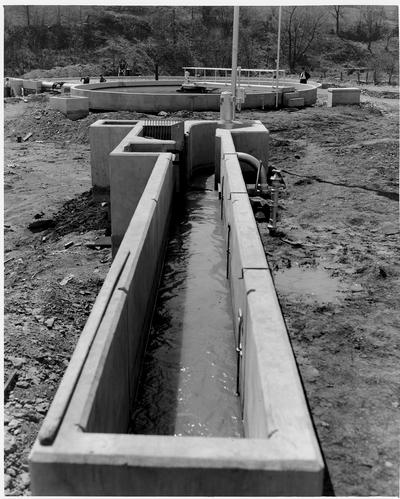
[[337, 12], [301, 25]]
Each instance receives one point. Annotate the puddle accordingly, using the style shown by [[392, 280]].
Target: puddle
[[313, 284]]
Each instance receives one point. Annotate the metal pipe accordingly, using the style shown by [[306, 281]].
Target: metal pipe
[[235, 39], [277, 57]]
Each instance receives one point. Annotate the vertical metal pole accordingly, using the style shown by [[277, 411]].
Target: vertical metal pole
[[235, 39], [277, 57]]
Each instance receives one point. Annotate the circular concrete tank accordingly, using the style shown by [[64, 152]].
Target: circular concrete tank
[[149, 96]]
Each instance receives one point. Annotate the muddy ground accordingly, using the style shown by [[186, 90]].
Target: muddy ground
[[335, 261]]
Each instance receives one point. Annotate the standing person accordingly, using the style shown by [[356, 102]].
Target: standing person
[[7, 88], [304, 76], [122, 67], [102, 79]]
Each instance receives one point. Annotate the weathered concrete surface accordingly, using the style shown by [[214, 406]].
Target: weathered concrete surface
[[343, 96], [104, 136], [73, 108]]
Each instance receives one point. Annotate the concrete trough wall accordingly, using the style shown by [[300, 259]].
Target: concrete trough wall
[[104, 136], [272, 396], [82, 447]]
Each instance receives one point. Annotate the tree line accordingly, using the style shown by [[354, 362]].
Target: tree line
[[161, 38]]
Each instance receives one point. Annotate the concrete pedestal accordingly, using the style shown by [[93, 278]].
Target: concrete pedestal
[[74, 108], [343, 96]]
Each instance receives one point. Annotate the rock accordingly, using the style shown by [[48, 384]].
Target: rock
[[22, 384], [66, 279], [10, 444], [388, 464], [50, 322], [42, 408], [11, 471], [324, 424], [25, 479], [356, 288], [14, 423], [7, 481], [16, 361]]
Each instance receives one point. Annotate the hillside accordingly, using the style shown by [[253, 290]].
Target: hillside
[[324, 38]]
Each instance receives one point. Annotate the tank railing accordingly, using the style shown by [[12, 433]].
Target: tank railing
[[253, 76]]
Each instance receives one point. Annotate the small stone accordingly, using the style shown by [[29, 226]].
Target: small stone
[[50, 322], [22, 384], [25, 479], [388, 464], [7, 480], [395, 404], [17, 361], [14, 423], [10, 444], [324, 424], [11, 471], [42, 408], [356, 288]]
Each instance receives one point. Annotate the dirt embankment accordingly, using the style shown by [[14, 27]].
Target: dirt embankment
[[335, 262]]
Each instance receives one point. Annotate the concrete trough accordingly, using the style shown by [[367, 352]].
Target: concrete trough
[[83, 448]]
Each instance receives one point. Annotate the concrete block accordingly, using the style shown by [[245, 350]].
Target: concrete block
[[16, 85], [343, 96], [296, 102], [289, 95], [74, 108], [32, 86]]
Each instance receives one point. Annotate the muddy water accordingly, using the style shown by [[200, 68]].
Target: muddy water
[[189, 375]]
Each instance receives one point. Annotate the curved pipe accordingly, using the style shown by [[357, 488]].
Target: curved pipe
[[256, 164]]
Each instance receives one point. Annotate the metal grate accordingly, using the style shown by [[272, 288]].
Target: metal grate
[[159, 129]]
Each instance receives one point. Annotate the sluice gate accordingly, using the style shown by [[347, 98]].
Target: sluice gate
[[86, 445]]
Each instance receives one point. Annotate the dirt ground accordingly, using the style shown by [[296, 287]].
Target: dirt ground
[[335, 262]]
